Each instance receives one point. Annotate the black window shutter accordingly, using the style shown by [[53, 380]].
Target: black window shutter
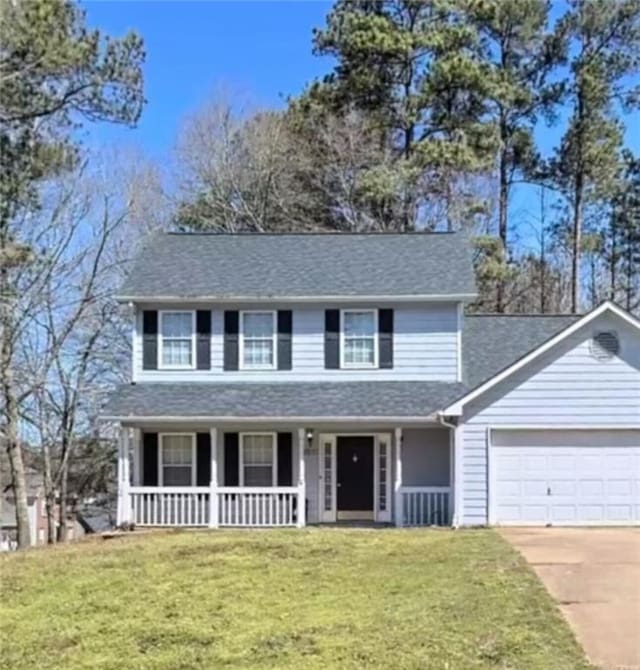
[[231, 460], [385, 338], [285, 459], [332, 339], [231, 343], [285, 318], [150, 459], [150, 340], [203, 459], [203, 339]]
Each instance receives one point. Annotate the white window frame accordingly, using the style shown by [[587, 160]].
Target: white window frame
[[376, 354], [274, 337], [161, 437], [161, 314], [274, 455]]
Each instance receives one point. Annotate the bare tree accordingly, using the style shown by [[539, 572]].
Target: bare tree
[[71, 347]]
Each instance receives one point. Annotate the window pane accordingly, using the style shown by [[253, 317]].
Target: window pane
[[176, 450], [258, 324], [359, 324], [258, 352], [359, 350], [176, 324], [176, 475], [258, 449], [258, 460], [257, 475], [176, 352]]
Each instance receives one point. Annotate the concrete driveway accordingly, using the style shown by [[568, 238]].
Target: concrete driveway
[[594, 576]]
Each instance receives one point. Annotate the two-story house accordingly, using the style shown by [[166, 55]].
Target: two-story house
[[282, 380]]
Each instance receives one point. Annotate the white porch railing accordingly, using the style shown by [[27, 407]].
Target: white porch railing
[[425, 505], [170, 506], [259, 507], [236, 506]]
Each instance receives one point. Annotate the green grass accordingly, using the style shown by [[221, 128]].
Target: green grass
[[318, 598]]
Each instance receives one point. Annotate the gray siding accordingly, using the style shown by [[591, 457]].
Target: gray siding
[[425, 457], [565, 387], [425, 347]]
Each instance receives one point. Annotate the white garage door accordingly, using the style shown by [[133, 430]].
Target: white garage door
[[565, 477]]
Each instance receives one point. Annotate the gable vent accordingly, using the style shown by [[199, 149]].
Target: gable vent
[[604, 345]]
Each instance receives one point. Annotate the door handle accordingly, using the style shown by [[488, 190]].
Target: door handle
[[548, 490], [338, 484]]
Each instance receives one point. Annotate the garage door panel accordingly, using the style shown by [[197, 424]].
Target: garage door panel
[[565, 477]]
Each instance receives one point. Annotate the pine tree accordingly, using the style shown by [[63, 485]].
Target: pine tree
[[518, 55], [604, 47], [413, 68]]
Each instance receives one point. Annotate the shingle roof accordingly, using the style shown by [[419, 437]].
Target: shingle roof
[[282, 400], [301, 265], [490, 343]]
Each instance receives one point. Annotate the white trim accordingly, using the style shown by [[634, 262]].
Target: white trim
[[418, 297], [460, 322], [161, 437], [274, 454], [274, 340], [327, 516], [398, 478], [582, 426], [386, 439], [376, 354], [134, 342], [456, 408], [161, 365], [430, 419]]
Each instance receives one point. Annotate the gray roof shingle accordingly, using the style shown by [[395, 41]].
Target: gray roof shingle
[[301, 265], [282, 400], [491, 342]]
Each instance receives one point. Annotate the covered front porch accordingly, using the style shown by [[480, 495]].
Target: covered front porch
[[259, 475]]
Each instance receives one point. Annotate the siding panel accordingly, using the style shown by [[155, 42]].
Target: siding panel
[[424, 348], [566, 387]]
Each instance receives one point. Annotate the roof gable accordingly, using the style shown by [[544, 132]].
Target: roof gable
[[456, 408], [266, 266]]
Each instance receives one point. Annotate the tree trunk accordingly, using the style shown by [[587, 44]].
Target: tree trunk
[[11, 418], [577, 243], [503, 202], [49, 494], [62, 506]]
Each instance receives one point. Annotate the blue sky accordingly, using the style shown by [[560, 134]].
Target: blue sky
[[192, 47], [260, 47]]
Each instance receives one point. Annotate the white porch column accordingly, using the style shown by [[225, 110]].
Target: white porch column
[[120, 466], [458, 505], [124, 478], [213, 485], [302, 482], [137, 457], [398, 479]]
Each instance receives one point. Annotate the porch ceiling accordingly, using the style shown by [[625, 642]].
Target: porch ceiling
[[340, 400]]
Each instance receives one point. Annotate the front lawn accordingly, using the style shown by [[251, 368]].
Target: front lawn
[[318, 598]]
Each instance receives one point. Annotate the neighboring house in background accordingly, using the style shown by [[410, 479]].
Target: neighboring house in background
[[282, 380], [37, 512]]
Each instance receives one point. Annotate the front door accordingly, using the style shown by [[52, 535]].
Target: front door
[[355, 477]]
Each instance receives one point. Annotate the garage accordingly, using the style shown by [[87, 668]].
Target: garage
[[564, 477]]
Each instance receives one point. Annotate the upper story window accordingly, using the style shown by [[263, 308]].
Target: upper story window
[[258, 334], [177, 460], [177, 340], [359, 338], [258, 460]]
